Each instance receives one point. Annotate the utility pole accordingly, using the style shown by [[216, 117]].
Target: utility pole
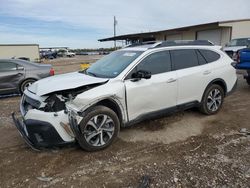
[[115, 23]]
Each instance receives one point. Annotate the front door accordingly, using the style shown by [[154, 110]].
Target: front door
[[156, 93]]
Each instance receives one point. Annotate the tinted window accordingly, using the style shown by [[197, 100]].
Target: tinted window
[[156, 63], [201, 59], [7, 66], [209, 55], [184, 58]]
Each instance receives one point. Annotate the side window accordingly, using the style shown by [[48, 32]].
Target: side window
[[156, 63], [209, 55], [7, 66], [184, 58], [201, 59]]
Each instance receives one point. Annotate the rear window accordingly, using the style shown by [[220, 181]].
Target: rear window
[[209, 55], [184, 58], [201, 59]]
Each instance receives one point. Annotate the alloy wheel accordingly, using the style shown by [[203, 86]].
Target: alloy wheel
[[214, 100], [27, 85], [99, 130]]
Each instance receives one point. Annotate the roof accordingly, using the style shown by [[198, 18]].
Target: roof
[[150, 34], [19, 44]]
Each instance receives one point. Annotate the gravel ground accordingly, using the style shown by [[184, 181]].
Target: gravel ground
[[186, 149]]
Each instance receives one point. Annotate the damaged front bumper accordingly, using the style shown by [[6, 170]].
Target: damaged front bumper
[[38, 134], [21, 129], [43, 129]]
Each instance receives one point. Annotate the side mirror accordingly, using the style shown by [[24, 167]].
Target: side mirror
[[141, 74]]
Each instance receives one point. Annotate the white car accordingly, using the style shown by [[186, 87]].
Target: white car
[[123, 88], [69, 54]]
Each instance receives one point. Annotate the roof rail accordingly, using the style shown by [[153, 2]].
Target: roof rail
[[143, 43], [167, 43], [184, 43]]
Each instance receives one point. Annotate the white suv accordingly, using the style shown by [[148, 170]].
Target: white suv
[[123, 88]]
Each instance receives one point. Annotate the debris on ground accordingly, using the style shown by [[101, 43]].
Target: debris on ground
[[44, 178], [144, 182], [244, 132]]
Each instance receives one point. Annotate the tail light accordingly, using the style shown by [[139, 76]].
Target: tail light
[[52, 72]]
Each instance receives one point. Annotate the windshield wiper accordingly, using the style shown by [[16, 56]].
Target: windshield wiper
[[88, 73], [91, 73]]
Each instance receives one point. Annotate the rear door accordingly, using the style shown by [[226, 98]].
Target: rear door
[[10, 76], [157, 93], [193, 74]]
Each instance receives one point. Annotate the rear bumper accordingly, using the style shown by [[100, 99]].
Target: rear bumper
[[38, 134], [233, 89]]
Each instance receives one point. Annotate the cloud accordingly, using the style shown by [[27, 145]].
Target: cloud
[[95, 18]]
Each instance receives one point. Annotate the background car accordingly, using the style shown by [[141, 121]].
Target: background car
[[48, 54], [243, 62], [16, 75], [235, 45]]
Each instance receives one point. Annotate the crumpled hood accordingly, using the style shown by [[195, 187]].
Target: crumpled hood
[[63, 82], [233, 48]]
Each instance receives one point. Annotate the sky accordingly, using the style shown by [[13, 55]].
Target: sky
[[80, 23]]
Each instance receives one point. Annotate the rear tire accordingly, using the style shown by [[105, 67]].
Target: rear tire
[[25, 84], [248, 81], [212, 100], [99, 128]]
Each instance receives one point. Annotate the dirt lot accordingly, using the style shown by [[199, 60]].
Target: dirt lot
[[186, 149]]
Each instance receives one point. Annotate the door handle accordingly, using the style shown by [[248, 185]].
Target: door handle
[[207, 72], [171, 80]]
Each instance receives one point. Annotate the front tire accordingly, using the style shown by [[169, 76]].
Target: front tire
[[212, 100], [99, 128]]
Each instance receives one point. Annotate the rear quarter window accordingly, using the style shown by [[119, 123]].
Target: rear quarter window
[[209, 55]]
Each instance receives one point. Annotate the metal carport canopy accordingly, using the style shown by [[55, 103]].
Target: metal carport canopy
[[151, 34], [129, 36]]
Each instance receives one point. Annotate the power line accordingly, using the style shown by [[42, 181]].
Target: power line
[[115, 23]]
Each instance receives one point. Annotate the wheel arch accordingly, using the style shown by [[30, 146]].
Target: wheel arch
[[25, 79], [113, 105], [219, 82]]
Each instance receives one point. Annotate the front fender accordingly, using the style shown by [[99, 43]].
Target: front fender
[[114, 90], [87, 105]]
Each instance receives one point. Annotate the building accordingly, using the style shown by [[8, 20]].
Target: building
[[219, 33], [30, 51]]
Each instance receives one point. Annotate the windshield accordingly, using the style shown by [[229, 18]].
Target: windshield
[[239, 42], [113, 64]]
